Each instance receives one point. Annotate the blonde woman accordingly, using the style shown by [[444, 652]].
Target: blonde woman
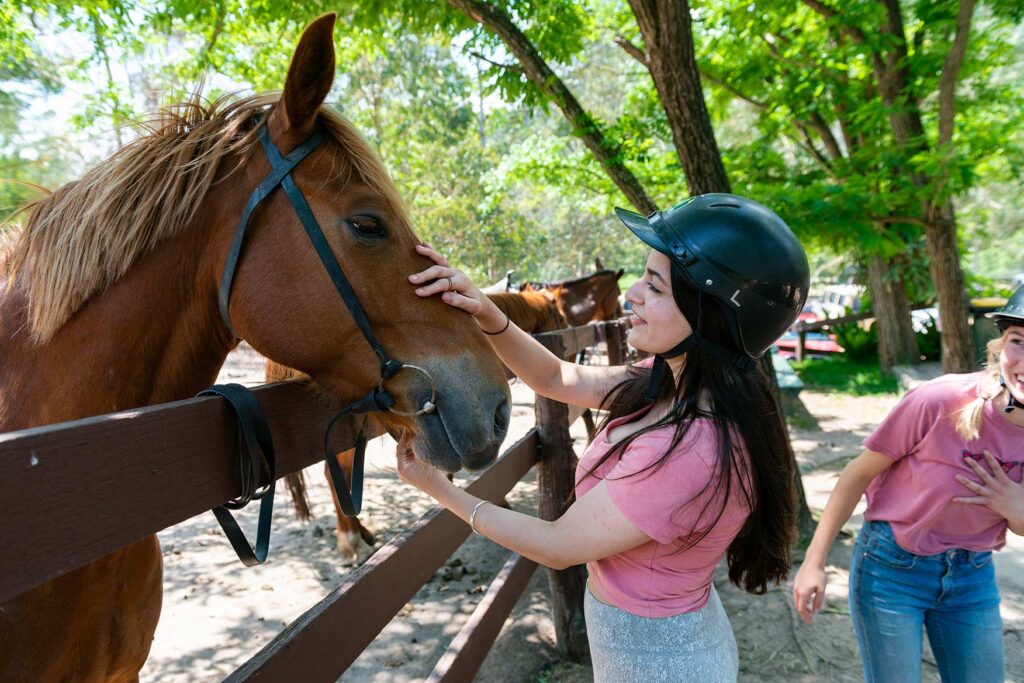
[[943, 480]]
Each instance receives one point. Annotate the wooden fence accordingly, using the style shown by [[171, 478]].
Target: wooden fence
[[77, 491], [802, 327]]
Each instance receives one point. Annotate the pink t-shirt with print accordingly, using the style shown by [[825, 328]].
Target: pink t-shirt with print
[[915, 494], [656, 579]]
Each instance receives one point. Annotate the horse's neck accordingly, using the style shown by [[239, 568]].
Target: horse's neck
[[150, 337]]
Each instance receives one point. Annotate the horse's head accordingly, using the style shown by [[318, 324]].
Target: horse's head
[[285, 304]]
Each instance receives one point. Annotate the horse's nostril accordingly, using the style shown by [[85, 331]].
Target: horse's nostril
[[501, 419]]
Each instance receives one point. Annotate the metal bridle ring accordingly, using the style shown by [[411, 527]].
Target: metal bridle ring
[[429, 406]]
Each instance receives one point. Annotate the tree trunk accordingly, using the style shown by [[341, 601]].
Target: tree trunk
[[891, 72], [944, 255], [668, 42], [891, 68], [897, 344]]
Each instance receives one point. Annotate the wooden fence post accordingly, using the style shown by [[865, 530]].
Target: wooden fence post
[[555, 479], [613, 337]]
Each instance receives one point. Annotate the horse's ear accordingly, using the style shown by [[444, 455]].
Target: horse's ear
[[618, 275], [598, 263], [310, 76]]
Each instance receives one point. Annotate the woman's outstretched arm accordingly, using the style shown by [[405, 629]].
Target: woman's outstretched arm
[[546, 374], [592, 528], [809, 584]]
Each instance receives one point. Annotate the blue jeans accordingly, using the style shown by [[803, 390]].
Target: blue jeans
[[893, 593]]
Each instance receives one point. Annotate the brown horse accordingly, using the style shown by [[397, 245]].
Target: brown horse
[[592, 298], [109, 301], [532, 311]]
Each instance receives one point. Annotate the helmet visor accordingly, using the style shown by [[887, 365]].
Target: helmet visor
[[641, 227]]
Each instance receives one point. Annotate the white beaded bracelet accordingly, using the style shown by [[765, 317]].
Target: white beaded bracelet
[[472, 516]]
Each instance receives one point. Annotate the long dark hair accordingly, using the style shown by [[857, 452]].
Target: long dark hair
[[747, 416]]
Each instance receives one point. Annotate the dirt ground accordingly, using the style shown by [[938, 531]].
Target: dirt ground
[[218, 613]]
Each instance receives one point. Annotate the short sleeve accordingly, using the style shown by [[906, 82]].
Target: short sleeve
[[664, 501], [906, 425]]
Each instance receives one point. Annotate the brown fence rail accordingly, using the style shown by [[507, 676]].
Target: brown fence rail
[[76, 491]]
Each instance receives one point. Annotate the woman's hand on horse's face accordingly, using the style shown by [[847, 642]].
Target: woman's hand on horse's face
[[455, 288], [414, 471]]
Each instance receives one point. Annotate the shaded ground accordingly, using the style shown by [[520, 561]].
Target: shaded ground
[[218, 613]]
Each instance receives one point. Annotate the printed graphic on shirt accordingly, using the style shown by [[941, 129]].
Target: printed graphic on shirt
[[1006, 465]]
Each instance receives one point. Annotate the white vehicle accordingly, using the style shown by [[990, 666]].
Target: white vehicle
[[837, 298]]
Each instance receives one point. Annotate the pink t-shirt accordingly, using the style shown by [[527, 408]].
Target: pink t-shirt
[[915, 494], [656, 579]]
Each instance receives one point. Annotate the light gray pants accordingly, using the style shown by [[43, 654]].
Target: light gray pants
[[695, 646]]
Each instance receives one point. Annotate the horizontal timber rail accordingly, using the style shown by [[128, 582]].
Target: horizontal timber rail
[[370, 596], [74, 492], [815, 325], [802, 327]]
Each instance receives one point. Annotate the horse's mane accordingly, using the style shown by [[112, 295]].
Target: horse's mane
[[530, 311], [81, 238]]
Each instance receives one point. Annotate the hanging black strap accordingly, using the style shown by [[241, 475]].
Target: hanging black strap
[[256, 453], [659, 364], [350, 493]]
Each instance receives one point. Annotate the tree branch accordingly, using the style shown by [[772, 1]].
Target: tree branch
[[912, 220], [815, 152], [829, 13], [211, 42], [507, 67], [950, 71], [608, 152], [632, 50], [725, 85]]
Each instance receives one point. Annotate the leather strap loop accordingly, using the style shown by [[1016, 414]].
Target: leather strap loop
[[256, 456]]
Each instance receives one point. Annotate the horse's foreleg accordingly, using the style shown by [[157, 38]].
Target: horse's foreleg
[[350, 530]]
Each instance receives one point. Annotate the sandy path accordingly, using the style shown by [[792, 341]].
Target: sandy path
[[218, 613]]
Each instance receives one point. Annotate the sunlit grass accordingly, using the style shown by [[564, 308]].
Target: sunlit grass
[[838, 374]]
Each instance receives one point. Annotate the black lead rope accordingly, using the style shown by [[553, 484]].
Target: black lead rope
[[256, 454], [350, 492]]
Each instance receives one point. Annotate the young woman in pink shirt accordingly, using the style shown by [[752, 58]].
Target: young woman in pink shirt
[[692, 462], [942, 475]]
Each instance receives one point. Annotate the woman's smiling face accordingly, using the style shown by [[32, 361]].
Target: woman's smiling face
[[1011, 361], [658, 324]]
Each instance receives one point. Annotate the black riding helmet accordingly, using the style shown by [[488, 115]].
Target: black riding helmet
[[739, 252], [1012, 313]]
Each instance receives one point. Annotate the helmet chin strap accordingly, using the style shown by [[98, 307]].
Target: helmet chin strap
[[659, 363], [1011, 401]]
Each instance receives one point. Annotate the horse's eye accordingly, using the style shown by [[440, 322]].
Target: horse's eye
[[367, 226]]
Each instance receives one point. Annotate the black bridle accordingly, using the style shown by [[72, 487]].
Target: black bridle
[[377, 400]]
